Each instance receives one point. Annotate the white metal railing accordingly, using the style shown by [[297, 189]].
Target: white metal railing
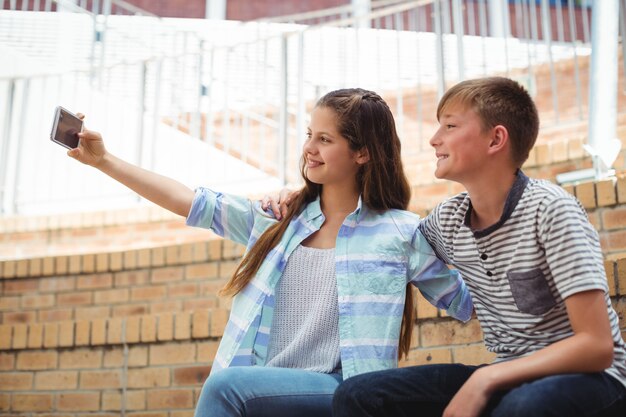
[[245, 88]]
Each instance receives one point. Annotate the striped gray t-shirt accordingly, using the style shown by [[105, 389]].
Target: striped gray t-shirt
[[520, 270]]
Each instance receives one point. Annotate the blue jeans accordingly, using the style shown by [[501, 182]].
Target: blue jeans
[[257, 391], [425, 391]]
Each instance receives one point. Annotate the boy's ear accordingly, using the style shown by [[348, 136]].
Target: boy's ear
[[499, 139], [362, 156]]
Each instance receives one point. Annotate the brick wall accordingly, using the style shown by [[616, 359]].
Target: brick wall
[[137, 330]]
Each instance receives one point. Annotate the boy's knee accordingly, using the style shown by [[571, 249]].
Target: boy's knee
[[352, 397]]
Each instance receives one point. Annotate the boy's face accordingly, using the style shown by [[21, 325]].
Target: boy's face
[[460, 144]]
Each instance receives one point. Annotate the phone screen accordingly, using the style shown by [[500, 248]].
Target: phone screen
[[66, 128]]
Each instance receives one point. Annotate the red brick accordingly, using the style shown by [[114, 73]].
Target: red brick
[[20, 317], [99, 380], [606, 193], [35, 336], [126, 310], [173, 353], [36, 360], [116, 261], [57, 284], [167, 306], [153, 292], [169, 399], [57, 314], [83, 329], [56, 380], [585, 192], [131, 278], [148, 377], [90, 313], [200, 328], [168, 274], [7, 361], [37, 301], [66, 334], [5, 402], [132, 329], [16, 381], [88, 263], [32, 402], [75, 264], [20, 334], [219, 318], [207, 351], [9, 303], [182, 329], [75, 298], [473, 354], [114, 331], [51, 335], [148, 329], [80, 359], [186, 290], [98, 332], [158, 256], [135, 400], [20, 286], [191, 375], [78, 402], [6, 334], [115, 296], [165, 327], [449, 333], [130, 259], [201, 271], [427, 356], [171, 255], [96, 281], [102, 262]]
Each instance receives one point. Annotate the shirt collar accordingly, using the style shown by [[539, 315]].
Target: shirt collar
[[313, 210], [515, 194]]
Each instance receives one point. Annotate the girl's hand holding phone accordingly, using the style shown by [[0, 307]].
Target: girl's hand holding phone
[[90, 150]]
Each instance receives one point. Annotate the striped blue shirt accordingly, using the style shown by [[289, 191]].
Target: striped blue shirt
[[376, 255]]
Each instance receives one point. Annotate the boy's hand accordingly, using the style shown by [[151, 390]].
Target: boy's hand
[[279, 204], [472, 398], [90, 150]]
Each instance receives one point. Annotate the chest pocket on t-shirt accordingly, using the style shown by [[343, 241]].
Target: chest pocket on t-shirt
[[531, 292]]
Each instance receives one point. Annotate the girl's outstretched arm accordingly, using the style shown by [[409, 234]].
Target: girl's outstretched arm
[[163, 191]]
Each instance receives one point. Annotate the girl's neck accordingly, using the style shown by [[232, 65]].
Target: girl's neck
[[335, 200]]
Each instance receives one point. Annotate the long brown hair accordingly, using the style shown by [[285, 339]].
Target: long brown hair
[[366, 122]]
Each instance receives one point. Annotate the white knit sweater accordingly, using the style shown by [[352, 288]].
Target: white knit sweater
[[305, 333]]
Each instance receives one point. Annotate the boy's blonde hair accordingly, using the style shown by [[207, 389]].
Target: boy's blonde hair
[[499, 101]]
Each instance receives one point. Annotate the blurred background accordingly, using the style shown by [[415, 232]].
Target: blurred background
[[108, 304]]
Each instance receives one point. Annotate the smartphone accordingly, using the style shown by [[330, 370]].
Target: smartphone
[[65, 128]]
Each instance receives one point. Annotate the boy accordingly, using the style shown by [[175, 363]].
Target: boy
[[534, 267]]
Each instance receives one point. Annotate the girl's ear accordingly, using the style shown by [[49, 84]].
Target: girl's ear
[[362, 156]]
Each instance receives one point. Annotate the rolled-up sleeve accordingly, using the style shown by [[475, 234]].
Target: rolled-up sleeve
[[441, 286], [229, 216]]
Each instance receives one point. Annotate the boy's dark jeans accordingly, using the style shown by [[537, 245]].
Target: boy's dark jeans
[[424, 391]]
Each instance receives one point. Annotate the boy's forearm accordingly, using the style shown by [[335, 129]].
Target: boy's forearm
[[163, 191], [576, 354]]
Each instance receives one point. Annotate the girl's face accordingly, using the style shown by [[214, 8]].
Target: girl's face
[[328, 157]]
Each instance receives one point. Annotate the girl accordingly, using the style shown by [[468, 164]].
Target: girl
[[322, 295]]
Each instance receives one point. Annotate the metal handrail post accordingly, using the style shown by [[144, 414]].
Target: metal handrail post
[[441, 85], [4, 146], [283, 117], [603, 79]]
